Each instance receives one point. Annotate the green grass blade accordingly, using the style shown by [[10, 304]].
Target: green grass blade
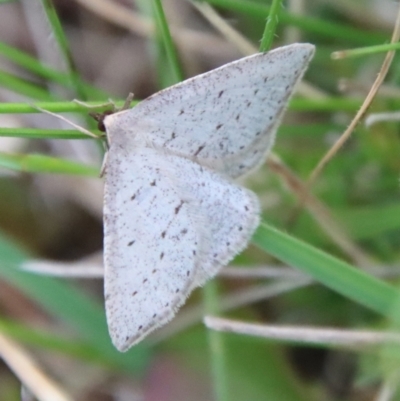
[[326, 104], [270, 26], [370, 222], [31, 64], [51, 342], [39, 133], [216, 345], [365, 51], [23, 87], [328, 270], [165, 34], [34, 163], [61, 39], [296, 104], [54, 107]]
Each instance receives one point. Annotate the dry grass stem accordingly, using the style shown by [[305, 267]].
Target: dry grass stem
[[30, 375], [302, 334]]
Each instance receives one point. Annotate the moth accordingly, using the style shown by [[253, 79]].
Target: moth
[[173, 215]]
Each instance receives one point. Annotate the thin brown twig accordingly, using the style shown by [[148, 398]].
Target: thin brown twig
[[320, 213], [367, 102]]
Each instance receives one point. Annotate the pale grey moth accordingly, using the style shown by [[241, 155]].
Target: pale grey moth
[[173, 217]]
